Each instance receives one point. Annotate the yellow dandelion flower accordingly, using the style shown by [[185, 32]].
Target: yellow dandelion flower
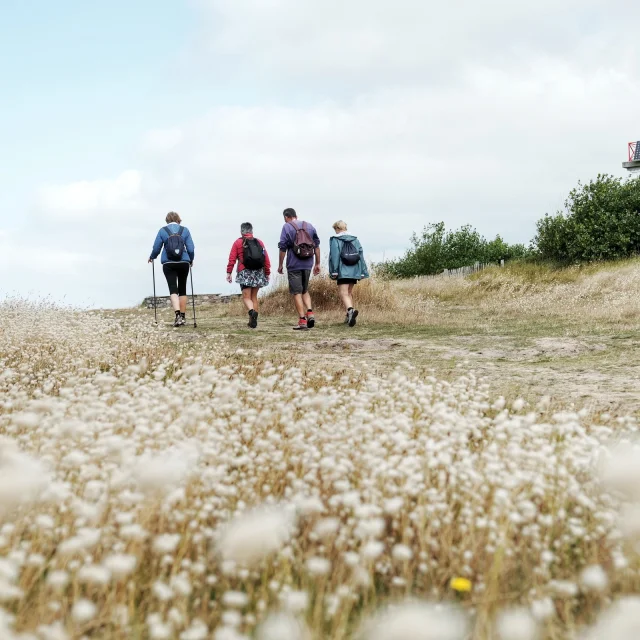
[[460, 584]]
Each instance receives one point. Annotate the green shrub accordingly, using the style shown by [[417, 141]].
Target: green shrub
[[436, 249], [601, 222]]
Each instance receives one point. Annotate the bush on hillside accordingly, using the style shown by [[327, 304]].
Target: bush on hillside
[[601, 222], [436, 249]]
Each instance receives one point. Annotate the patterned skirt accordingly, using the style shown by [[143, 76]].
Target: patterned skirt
[[252, 278]]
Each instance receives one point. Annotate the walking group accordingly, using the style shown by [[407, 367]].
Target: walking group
[[299, 244]]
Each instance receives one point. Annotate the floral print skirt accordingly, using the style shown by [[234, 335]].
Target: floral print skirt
[[252, 278]]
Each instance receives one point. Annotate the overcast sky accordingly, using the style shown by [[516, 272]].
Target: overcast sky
[[389, 115]]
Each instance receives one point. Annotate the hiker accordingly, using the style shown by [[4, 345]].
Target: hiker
[[177, 258], [347, 266], [254, 269], [300, 243]]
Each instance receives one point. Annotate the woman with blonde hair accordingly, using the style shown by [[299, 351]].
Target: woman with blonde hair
[[346, 266], [178, 253]]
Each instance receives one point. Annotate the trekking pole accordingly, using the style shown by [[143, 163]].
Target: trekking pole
[[193, 298], [155, 302]]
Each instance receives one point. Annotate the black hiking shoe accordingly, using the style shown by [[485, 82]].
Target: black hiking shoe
[[253, 319], [178, 322], [353, 314]]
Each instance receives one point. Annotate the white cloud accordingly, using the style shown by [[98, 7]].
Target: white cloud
[[410, 40], [85, 197], [388, 115]]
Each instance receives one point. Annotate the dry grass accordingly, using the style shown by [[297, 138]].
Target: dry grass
[[608, 292], [378, 298]]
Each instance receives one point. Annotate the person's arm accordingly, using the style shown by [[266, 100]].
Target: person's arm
[[283, 245], [191, 250], [363, 264], [233, 257], [267, 262], [157, 247], [334, 257], [316, 241]]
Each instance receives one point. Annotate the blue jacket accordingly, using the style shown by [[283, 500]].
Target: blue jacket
[[162, 238], [336, 266]]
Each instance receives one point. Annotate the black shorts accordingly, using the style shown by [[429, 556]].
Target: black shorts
[[176, 274], [347, 281], [299, 281]]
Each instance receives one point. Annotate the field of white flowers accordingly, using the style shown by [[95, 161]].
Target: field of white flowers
[[153, 489]]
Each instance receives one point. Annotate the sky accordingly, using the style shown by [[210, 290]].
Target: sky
[[388, 115]]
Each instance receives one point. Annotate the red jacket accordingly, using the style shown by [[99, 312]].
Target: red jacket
[[237, 255]]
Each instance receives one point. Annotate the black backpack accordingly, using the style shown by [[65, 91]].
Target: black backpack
[[174, 245], [253, 254], [349, 254]]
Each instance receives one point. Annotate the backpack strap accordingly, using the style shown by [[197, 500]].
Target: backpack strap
[[170, 233]]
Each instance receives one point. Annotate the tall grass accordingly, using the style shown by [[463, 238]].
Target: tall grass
[[371, 294]]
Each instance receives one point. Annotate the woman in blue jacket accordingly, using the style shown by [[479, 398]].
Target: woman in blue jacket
[[176, 241], [347, 266]]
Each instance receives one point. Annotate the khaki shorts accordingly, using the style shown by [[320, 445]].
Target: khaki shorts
[[299, 281]]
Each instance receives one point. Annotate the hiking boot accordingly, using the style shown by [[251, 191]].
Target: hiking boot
[[352, 315], [178, 322], [302, 325], [253, 319], [311, 320]]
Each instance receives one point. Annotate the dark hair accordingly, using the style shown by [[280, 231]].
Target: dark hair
[[246, 227], [290, 213]]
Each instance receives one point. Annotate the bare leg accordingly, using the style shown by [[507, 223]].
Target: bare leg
[[183, 304], [351, 293], [306, 303], [345, 296], [246, 298], [254, 298], [299, 302], [175, 301]]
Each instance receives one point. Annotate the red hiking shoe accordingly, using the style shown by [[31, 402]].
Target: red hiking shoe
[[302, 325]]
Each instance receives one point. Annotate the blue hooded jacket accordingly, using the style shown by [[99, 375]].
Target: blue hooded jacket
[[163, 236], [336, 266]]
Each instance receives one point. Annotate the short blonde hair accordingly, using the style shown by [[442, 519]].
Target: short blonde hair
[[172, 216], [341, 225]]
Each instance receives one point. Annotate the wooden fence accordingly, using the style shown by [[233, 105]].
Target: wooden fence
[[464, 271]]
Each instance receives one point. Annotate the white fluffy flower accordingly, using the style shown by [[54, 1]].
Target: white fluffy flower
[[318, 566], [83, 610], [235, 599], [254, 535], [402, 553], [22, 478], [281, 626], [120, 564], [594, 578], [166, 543], [621, 621], [415, 621], [517, 624]]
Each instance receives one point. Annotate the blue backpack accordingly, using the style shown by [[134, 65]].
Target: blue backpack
[[174, 245]]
